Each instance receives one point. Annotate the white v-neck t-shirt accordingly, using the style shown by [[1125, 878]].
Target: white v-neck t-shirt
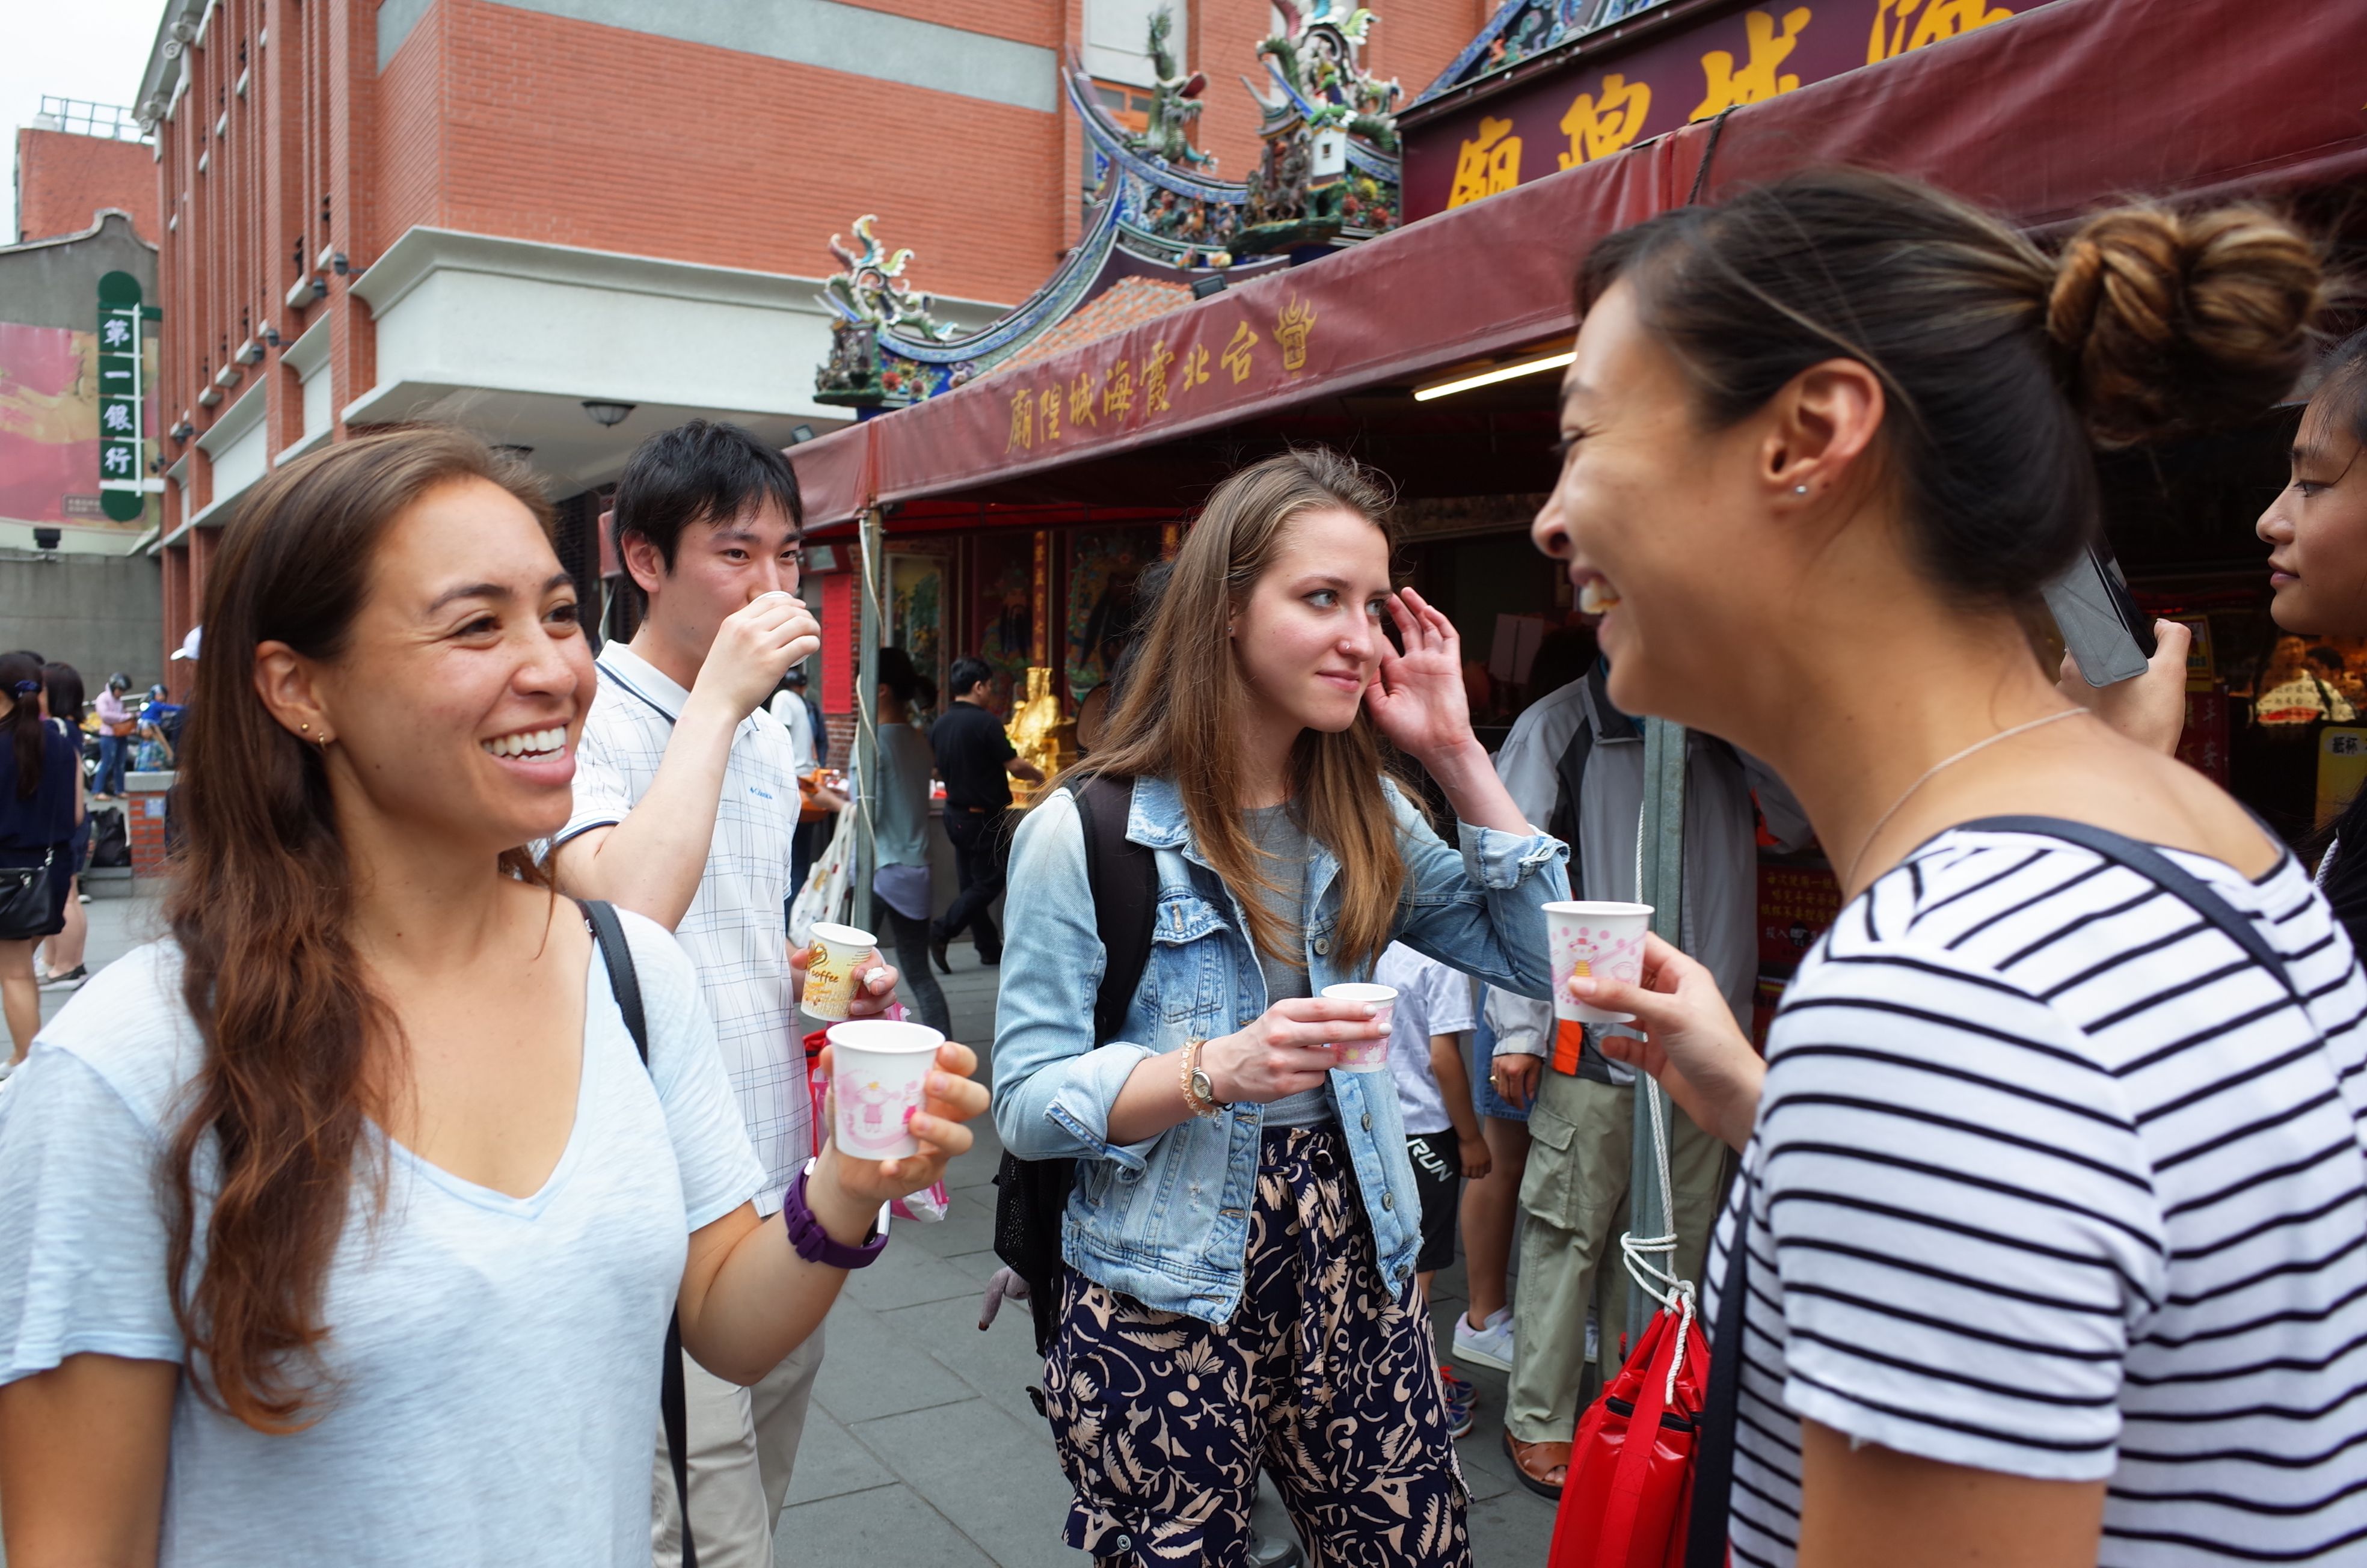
[[496, 1358]]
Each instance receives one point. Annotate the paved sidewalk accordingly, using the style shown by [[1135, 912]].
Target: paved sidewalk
[[922, 1446]]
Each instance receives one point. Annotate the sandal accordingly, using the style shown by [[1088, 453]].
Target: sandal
[[1540, 1467]]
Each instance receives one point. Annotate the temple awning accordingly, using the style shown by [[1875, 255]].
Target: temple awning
[[2040, 118]]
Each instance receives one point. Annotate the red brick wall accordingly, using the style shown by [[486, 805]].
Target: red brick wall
[[143, 823], [62, 180], [577, 134]]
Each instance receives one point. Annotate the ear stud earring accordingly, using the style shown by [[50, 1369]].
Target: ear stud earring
[[1799, 489]]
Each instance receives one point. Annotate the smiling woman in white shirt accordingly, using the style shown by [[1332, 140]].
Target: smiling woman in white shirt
[[345, 1223]]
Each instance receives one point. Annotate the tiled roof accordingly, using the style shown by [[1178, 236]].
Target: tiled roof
[[1126, 302]]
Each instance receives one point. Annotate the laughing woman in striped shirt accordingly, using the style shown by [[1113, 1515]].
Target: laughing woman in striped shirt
[[2053, 1192]]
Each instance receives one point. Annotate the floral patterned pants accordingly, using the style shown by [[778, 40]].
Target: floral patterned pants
[[1321, 1376]]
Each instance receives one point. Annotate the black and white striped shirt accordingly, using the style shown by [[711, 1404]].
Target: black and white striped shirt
[[2050, 1179]]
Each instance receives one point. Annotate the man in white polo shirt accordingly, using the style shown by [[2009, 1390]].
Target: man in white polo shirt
[[685, 810]]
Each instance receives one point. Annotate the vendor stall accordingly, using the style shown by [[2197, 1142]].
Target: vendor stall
[[1429, 351]]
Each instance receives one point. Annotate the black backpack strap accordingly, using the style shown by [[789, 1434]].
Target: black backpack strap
[[1031, 1196], [673, 1396], [1721, 1408], [2155, 867], [1124, 877]]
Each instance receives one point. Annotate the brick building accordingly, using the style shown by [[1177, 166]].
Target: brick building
[[499, 213]]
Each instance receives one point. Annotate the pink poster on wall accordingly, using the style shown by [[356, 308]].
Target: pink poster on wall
[[49, 428]]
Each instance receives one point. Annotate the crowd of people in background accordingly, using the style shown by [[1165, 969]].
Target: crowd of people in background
[[348, 1221]]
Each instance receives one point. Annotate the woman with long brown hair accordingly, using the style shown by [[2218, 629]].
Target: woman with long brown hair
[[344, 1224], [1241, 1238]]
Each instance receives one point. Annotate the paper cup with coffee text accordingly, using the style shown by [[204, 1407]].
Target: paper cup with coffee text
[[831, 962]]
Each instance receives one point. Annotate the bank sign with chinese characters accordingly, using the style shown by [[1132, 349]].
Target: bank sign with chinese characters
[[1607, 100], [122, 472]]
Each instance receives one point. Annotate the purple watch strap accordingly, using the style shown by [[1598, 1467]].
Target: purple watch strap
[[813, 1243]]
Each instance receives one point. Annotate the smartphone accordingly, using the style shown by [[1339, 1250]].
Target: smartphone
[[2099, 619]]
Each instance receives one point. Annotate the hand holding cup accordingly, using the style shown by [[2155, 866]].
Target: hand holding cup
[[1288, 1048], [1692, 1043], [753, 648], [904, 1099]]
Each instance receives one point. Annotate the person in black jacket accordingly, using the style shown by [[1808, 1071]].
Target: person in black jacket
[[978, 762], [2317, 533]]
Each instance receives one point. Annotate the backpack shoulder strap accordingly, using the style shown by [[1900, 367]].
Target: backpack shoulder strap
[[1124, 877], [623, 979], [2158, 868], [673, 1395]]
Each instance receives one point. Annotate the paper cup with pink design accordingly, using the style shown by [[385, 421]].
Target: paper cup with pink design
[[879, 1069], [1599, 941], [1364, 1055], [834, 954]]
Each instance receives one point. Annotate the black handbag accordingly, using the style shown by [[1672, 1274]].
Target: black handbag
[[24, 912]]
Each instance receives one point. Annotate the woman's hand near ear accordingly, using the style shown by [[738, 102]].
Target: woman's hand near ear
[[1418, 700], [2150, 709]]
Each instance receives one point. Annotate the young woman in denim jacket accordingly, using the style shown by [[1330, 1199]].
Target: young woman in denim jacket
[[1241, 1237]]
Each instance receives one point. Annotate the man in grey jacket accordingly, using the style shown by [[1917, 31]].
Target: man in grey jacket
[[1576, 763]]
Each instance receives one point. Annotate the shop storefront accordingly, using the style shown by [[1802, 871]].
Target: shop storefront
[[1019, 507]]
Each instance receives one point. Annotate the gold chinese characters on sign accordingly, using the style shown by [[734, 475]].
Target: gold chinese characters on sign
[[1602, 122], [1127, 390], [1489, 163]]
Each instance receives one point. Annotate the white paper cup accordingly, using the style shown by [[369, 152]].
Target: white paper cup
[[879, 1069], [831, 959], [1604, 941], [1364, 1055]]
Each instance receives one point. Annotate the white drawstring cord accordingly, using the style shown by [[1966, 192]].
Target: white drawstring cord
[[1660, 1283]]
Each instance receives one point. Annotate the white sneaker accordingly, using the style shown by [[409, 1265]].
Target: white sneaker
[[1488, 1346]]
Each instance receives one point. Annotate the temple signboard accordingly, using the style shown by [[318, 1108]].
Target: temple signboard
[[1606, 97]]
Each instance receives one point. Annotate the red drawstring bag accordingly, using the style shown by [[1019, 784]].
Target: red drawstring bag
[[1630, 1489], [1626, 1501]]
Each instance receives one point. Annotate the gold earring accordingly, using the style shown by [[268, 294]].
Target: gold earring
[[305, 727]]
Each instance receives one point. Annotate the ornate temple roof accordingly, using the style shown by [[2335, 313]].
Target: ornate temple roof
[[1158, 223]]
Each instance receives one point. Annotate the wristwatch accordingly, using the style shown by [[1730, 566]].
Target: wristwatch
[[814, 1243], [1199, 1093]]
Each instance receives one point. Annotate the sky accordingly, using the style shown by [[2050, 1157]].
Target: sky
[[78, 49]]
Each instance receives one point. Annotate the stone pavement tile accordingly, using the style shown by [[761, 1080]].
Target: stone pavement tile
[[998, 1364], [996, 1480], [831, 1464], [1510, 1531], [906, 1275], [870, 1371], [886, 1526], [980, 1265], [976, 1168]]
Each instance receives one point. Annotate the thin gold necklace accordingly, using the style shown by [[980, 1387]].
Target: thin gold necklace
[[1934, 771]]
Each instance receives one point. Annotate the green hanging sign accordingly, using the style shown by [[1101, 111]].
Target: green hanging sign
[[122, 479]]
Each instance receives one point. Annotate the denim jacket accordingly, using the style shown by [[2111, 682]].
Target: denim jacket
[[1167, 1221]]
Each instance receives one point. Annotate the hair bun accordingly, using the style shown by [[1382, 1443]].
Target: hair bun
[[2169, 322]]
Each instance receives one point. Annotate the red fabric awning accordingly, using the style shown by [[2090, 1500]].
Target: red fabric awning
[[2039, 118]]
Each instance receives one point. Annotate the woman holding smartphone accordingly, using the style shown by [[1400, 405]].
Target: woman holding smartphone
[[2050, 1241], [1241, 1240], [345, 1222]]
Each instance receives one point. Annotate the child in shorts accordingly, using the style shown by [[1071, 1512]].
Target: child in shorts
[[1434, 1013]]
